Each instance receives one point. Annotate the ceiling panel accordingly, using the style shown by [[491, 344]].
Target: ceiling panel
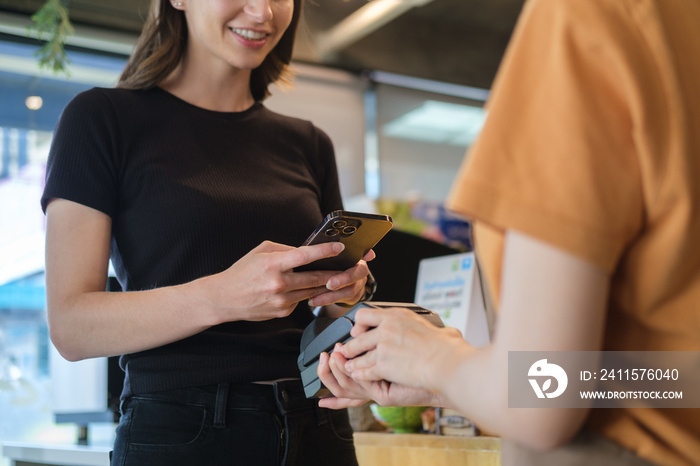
[[456, 41]]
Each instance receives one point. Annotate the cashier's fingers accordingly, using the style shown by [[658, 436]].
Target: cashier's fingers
[[346, 391], [363, 368], [368, 318], [332, 402]]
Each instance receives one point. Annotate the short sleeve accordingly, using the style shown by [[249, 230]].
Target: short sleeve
[[83, 163], [556, 157], [328, 173]]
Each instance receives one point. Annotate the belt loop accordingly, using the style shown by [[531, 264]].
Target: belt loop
[[281, 397], [322, 415], [220, 407]]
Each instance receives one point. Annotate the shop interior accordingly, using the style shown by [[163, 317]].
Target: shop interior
[[398, 85]]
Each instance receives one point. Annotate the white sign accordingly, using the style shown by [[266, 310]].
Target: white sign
[[451, 286]]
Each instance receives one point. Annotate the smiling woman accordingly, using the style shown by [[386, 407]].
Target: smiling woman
[[236, 34], [200, 195], [167, 34]]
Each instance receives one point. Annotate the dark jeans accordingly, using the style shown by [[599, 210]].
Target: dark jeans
[[250, 424]]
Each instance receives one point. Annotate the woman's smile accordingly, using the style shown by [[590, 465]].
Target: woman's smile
[[250, 37]]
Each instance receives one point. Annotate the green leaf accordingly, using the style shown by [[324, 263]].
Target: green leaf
[[52, 24]]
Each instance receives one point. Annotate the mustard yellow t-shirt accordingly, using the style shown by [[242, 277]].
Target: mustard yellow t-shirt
[[592, 144]]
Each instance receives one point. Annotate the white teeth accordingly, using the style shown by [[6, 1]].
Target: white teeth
[[248, 34]]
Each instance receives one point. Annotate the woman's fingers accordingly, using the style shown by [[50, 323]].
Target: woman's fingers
[[348, 277], [369, 256], [345, 287], [307, 254]]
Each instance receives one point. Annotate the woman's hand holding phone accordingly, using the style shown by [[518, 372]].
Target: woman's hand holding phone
[[359, 232], [347, 287], [263, 284], [269, 281]]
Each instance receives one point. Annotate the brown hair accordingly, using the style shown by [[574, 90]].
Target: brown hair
[[163, 41]]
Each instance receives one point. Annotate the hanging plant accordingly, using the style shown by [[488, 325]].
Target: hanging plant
[[52, 24]]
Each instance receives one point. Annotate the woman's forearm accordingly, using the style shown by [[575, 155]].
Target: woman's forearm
[[93, 324], [86, 321]]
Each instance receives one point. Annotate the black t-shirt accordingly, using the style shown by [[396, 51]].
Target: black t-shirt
[[189, 192]]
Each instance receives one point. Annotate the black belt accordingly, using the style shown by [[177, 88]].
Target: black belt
[[281, 397]]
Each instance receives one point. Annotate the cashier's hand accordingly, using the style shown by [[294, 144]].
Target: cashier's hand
[[400, 346], [349, 393]]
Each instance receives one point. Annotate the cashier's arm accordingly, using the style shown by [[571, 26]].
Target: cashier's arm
[[550, 301]]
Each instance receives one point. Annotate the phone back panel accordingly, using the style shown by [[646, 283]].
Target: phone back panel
[[358, 232]]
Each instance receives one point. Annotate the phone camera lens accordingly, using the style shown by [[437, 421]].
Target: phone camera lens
[[340, 224], [349, 230], [332, 232]]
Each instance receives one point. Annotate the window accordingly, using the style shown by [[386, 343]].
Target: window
[[32, 100]]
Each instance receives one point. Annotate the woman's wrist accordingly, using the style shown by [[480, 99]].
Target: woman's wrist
[[202, 295]]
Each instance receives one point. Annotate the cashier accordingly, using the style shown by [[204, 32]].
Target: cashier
[[585, 189]]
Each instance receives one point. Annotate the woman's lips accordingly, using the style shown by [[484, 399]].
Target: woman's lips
[[250, 37]]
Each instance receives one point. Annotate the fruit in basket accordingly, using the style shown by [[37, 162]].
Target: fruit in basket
[[400, 419]]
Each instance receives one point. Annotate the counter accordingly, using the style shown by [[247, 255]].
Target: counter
[[380, 449], [373, 449], [26, 454]]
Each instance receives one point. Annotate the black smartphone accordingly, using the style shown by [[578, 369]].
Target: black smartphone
[[359, 232]]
